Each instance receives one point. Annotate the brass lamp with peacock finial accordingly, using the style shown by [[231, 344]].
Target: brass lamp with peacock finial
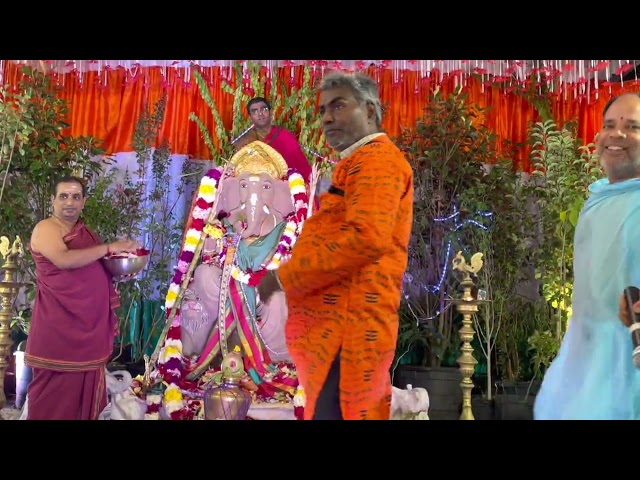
[[467, 306], [9, 287]]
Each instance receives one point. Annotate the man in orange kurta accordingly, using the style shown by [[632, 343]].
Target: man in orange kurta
[[343, 281]]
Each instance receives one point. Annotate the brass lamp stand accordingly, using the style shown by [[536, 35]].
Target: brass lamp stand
[[9, 287], [467, 306]]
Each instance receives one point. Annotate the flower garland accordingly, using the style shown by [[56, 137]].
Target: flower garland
[[171, 363], [299, 402], [202, 208]]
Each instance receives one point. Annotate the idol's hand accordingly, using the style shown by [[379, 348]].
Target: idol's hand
[[269, 284]]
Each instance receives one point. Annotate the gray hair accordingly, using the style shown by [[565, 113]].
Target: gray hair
[[363, 87]]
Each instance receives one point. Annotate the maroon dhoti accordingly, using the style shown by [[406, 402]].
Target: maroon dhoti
[[66, 395]]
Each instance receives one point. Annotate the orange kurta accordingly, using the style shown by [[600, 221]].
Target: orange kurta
[[344, 280]]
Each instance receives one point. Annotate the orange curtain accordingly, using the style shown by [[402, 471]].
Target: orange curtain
[[106, 104]]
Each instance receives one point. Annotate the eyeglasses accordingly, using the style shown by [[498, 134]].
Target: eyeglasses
[[255, 111]]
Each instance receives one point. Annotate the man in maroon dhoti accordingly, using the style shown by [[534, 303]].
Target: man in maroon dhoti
[[73, 323], [279, 138]]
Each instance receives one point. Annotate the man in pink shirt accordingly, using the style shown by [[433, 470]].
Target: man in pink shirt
[[279, 138]]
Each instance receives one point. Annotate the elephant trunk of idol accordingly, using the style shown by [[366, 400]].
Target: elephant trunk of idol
[[255, 214], [256, 203]]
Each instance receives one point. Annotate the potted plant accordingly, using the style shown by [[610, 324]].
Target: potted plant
[[528, 342], [562, 169], [502, 196], [449, 150]]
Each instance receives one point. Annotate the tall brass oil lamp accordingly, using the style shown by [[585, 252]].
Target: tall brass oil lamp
[[9, 287], [467, 306]]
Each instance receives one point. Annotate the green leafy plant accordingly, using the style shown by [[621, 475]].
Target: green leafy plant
[[505, 247], [293, 107], [46, 154], [448, 150], [542, 344], [562, 170], [144, 204], [16, 127], [114, 206], [35, 153]]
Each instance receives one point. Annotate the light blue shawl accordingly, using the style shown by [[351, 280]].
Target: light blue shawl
[[593, 376]]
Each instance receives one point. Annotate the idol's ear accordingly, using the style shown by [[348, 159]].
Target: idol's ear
[[230, 196], [282, 201]]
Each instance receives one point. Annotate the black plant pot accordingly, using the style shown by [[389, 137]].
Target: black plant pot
[[483, 409]]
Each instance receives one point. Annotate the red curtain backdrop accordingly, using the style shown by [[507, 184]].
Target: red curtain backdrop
[[106, 104]]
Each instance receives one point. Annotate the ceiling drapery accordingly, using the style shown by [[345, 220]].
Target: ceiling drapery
[[570, 77], [106, 98]]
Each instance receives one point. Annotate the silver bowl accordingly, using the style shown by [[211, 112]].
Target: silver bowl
[[125, 266]]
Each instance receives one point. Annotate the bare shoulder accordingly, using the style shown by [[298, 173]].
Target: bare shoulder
[[45, 226], [45, 231]]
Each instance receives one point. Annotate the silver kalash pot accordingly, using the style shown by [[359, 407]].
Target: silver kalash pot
[[227, 400]]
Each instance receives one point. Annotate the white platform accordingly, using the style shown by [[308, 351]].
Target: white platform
[[272, 411]]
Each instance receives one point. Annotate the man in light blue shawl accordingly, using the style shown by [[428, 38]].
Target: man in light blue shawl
[[593, 376]]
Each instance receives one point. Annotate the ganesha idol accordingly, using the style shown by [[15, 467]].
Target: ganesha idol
[[243, 222]]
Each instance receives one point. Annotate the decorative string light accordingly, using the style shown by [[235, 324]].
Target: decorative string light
[[457, 225], [455, 216]]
